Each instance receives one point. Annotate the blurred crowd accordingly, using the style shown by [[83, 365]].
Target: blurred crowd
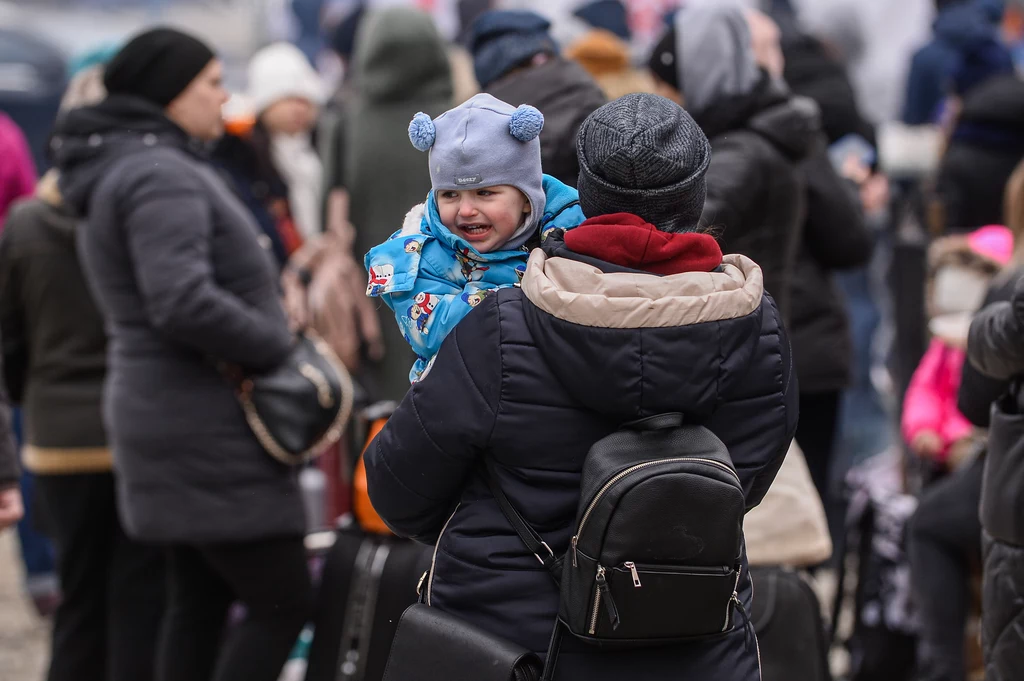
[[869, 161]]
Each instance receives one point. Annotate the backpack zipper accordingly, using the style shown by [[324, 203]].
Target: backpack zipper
[[734, 600], [633, 469]]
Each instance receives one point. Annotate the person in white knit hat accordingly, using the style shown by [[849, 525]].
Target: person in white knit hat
[[286, 93]]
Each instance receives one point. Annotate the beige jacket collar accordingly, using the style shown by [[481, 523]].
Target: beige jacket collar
[[582, 294]]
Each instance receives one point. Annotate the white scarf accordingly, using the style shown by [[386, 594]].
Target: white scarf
[[300, 168]]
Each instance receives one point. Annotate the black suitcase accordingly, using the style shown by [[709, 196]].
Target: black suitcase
[[790, 630], [367, 583]]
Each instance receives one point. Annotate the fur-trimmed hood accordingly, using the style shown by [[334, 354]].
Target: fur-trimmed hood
[[960, 270]]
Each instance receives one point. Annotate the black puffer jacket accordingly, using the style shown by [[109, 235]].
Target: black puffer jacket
[[986, 145], [533, 377], [835, 237], [566, 95], [996, 348], [175, 262], [756, 191]]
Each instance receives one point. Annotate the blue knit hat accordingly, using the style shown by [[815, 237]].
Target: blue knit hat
[[610, 15], [483, 143], [501, 40]]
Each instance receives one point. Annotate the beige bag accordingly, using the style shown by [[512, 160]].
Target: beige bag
[[334, 304], [789, 526]]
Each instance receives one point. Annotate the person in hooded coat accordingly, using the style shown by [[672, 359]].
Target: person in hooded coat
[[55, 361], [400, 68], [834, 237], [185, 286], [632, 314], [517, 61], [759, 132], [960, 27]]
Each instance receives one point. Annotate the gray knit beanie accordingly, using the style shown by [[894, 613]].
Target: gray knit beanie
[[485, 142], [643, 154]]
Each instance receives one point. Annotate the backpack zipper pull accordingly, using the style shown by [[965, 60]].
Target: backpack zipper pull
[[631, 566], [748, 626], [575, 538], [606, 596]]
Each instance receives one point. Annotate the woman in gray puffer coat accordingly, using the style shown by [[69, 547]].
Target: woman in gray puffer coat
[[176, 265]]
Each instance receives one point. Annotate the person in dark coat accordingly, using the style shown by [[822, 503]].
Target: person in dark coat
[[759, 132], [995, 349], [985, 146], [177, 268], [55, 360], [517, 61], [834, 237], [945, 536], [634, 313]]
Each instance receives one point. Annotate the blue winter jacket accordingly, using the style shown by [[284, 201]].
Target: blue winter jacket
[[431, 278], [957, 29], [533, 378]]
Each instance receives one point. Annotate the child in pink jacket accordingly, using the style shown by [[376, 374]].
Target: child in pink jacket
[[960, 270]]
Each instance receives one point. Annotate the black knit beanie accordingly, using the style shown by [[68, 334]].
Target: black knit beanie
[[157, 65], [643, 154]]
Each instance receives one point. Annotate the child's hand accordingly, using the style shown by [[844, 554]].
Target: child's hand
[[11, 507], [927, 444]]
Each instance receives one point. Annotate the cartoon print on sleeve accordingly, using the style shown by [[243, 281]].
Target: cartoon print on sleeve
[[421, 309], [413, 246], [380, 278]]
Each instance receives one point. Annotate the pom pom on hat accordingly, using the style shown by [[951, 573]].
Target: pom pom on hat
[[526, 123], [422, 132]]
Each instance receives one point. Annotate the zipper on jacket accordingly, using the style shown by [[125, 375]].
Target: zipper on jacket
[[631, 566], [433, 559], [632, 469]]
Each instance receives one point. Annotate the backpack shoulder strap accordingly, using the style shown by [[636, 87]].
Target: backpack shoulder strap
[[533, 541]]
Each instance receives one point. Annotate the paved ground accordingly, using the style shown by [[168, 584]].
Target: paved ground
[[23, 637]]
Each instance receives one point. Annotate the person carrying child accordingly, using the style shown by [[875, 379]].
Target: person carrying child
[[489, 203]]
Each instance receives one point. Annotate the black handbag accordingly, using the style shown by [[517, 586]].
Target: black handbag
[[301, 407], [431, 644]]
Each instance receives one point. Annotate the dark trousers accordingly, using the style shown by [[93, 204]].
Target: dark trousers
[[272, 581], [816, 435], [944, 541], [108, 622]]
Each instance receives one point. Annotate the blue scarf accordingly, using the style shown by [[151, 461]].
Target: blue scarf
[[431, 278]]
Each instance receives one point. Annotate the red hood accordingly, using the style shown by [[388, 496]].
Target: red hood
[[626, 240]]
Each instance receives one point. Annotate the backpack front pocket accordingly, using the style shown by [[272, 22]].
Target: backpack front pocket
[[635, 601]]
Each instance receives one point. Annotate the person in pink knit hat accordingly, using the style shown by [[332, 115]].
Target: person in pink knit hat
[[961, 269]]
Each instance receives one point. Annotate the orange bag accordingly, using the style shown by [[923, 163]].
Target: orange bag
[[363, 510]]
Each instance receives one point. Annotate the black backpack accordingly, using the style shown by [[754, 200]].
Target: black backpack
[[656, 555]]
